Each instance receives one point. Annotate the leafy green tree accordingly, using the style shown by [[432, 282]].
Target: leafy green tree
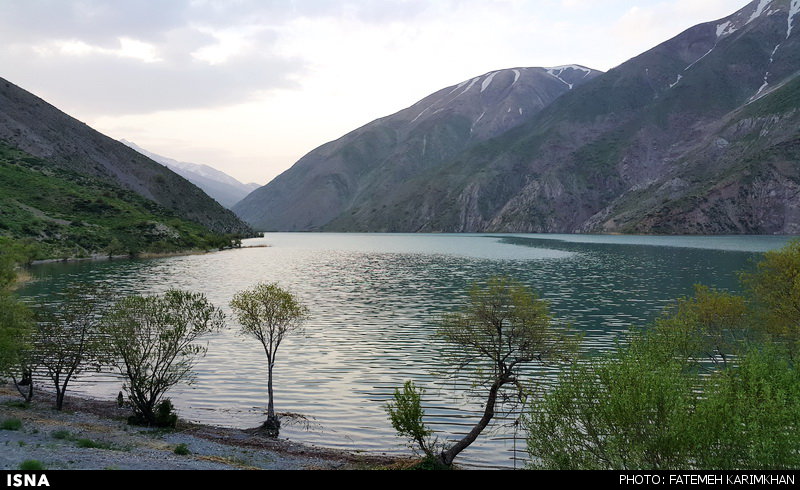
[[749, 417], [711, 325], [154, 342], [621, 411], [269, 314], [503, 328], [68, 339], [774, 289], [16, 330], [652, 404]]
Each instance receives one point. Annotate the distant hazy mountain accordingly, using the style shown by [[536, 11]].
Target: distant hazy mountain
[[700, 134], [31, 125], [222, 187], [354, 177]]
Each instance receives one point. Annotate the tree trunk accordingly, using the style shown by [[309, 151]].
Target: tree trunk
[[446, 457], [272, 426], [271, 402], [59, 398]]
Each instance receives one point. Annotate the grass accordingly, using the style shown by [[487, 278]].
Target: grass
[[84, 442], [61, 434], [16, 404], [32, 465], [182, 450], [11, 424], [91, 444]]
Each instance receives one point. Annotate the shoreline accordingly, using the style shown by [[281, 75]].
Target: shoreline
[[143, 255], [94, 434]]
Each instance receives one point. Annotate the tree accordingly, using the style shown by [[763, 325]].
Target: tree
[[625, 410], [406, 415], [67, 337], [269, 314], [504, 327], [774, 288], [16, 325], [153, 340], [710, 325], [16, 332]]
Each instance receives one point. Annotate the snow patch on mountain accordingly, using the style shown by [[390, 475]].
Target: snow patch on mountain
[[420, 114], [794, 9], [725, 28], [763, 4], [556, 73], [488, 81], [676, 81], [700, 58], [471, 83], [458, 86]]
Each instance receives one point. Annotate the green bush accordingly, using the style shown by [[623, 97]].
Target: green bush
[[11, 424], [406, 415], [61, 434], [32, 465], [90, 444], [182, 450]]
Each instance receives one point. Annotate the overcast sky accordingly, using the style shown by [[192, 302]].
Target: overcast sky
[[250, 86]]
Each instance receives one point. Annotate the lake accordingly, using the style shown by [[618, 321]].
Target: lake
[[374, 301]]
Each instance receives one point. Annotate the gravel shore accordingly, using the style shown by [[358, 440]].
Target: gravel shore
[[93, 434]]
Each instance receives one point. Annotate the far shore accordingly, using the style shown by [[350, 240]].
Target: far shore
[[94, 434], [143, 255]]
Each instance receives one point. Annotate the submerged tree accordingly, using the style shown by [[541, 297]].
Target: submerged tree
[[153, 340], [269, 314], [68, 340], [504, 327]]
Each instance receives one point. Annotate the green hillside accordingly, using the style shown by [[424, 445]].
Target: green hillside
[[71, 215]]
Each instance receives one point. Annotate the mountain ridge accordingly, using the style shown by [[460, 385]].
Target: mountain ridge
[[696, 135], [41, 130], [220, 186], [369, 159]]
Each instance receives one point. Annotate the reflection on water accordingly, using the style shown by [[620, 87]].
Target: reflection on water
[[374, 300]]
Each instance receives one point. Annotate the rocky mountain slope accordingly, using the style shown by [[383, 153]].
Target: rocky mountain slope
[[363, 168], [217, 184], [31, 125], [700, 134]]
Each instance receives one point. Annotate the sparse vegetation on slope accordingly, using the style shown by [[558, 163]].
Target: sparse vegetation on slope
[[71, 215]]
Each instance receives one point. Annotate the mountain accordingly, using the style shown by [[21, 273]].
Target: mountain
[[222, 187], [365, 168], [39, 130], [700, 134]]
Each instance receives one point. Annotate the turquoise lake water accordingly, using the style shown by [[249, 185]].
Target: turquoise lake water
[[374, 300]]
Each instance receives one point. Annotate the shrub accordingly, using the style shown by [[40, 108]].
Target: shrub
[[90, 444], [32, 465], [11, 424], [182, 450], [61, 434]]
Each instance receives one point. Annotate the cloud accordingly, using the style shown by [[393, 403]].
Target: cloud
[[137, 57]]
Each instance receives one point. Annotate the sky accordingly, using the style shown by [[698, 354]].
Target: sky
[[250, 86]]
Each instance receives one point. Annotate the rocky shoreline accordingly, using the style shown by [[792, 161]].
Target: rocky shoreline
[[93, 435]]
